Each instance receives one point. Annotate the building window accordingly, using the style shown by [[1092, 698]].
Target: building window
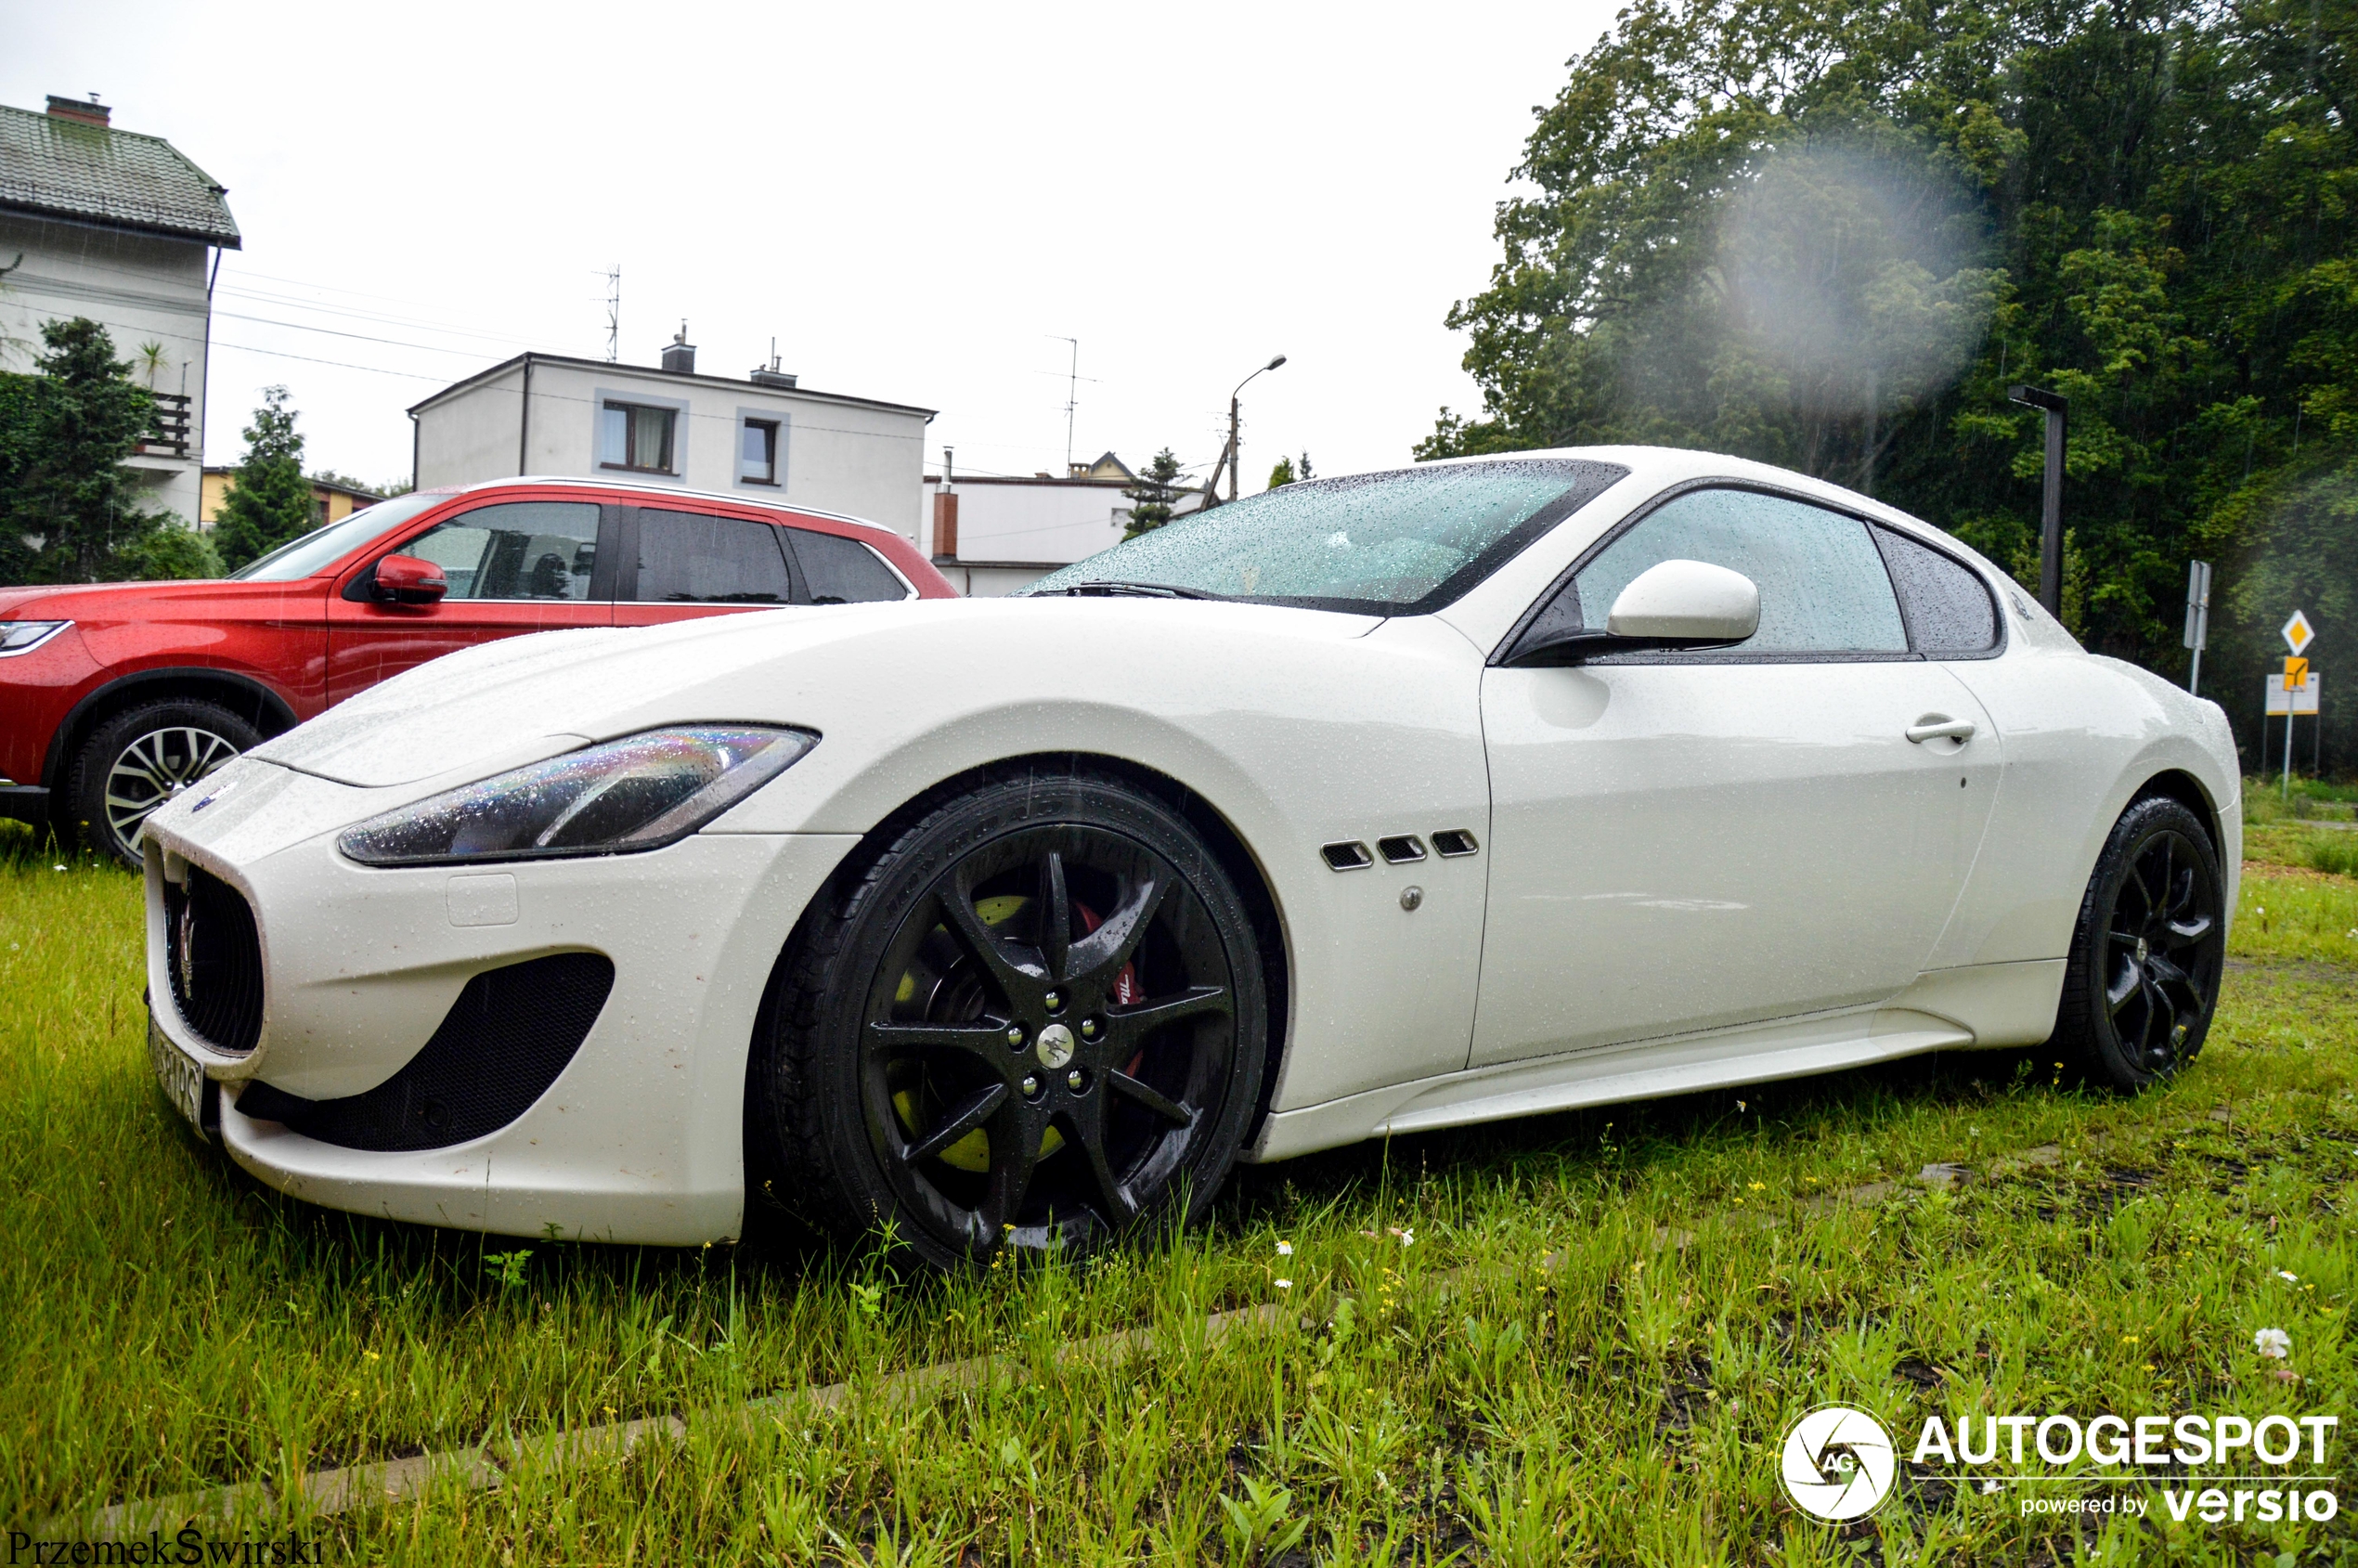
[[638, 436], [757, 451]]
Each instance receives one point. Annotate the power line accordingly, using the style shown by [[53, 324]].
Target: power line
[[363, 337], [311, 360]]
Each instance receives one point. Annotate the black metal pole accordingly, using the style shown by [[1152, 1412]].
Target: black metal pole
[[2055, 406]]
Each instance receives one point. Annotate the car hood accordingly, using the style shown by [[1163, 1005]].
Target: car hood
[[507, 702], [119, 602]]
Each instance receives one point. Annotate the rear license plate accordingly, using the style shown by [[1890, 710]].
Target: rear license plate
[[182, 1079]]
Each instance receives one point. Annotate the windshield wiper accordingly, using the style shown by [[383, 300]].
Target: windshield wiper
[[1137, 591]]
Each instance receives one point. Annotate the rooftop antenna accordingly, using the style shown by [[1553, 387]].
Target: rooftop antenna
[[774, 355], [1072, 396], [614, 312]]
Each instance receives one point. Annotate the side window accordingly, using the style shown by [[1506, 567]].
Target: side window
[[1822, 585], [843, 571], [637, 436], [688, 558], [523, 550], [757, 451], [1945, 602]]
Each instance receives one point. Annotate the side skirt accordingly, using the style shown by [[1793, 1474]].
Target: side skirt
[[1984, 1005]]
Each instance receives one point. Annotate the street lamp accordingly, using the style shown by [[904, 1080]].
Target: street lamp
[[1235, 428]]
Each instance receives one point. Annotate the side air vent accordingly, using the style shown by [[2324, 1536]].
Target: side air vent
[[1403, 849], [214, 957], [1453, 842], [503, 1043], [1351, 856]]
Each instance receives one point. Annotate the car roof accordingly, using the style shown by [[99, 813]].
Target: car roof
[[594, 482]]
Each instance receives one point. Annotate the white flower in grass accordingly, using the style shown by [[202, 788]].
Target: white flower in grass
[[1285, 1248], [1987, 1487], [2272, 1342], [2288, 1273], [1285, 1284], [1407, 1238]]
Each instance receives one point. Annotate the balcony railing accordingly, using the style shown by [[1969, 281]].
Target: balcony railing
[[168, 429]]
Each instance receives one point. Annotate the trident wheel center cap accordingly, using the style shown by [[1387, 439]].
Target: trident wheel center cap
[[1056, 1046], [2140, 949]]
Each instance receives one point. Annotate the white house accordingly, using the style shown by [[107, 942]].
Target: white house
[[762, 437], [994, 534], [122, 228]]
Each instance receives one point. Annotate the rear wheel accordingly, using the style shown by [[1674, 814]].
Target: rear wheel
[[141, 757], [1035, 1018], [2148, 951]]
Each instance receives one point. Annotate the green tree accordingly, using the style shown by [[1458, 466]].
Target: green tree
[[71, 505], [329, 476], [1291, 471], [170, 549], [1156, 491], [1830, 235], [271, 501]]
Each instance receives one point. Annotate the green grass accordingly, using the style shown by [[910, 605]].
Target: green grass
[[1608, 1384]]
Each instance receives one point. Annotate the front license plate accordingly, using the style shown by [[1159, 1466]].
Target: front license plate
[[178, 1074]]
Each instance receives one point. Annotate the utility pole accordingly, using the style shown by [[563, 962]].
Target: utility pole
[[614, 312], [1072, 396], [2054, 405]]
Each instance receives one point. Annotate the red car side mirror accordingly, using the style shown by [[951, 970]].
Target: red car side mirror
[[404, 580]]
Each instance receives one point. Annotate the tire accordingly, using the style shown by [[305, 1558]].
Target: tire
[[2148, 951], [944, 1059], [137, 760]]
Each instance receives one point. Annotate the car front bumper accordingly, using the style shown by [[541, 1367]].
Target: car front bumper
[[639, 1138]]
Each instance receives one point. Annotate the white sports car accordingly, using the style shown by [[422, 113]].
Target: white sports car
[[1366, 806]]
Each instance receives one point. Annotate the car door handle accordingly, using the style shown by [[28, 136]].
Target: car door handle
[[1940, 726]]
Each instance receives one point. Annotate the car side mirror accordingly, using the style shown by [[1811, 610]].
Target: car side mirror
[[1671, 604], [1687, 604], [404, 580]]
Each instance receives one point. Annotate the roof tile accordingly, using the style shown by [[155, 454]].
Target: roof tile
[[99, 175]]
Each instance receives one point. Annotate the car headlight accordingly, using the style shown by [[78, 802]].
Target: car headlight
[[641, 791], [24, 637]]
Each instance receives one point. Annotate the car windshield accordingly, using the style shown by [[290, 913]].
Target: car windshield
[[1398, 543], [321, 548]]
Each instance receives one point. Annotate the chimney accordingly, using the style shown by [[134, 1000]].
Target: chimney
[[91, 113], [769, 375], [945, 511], [680, 355]]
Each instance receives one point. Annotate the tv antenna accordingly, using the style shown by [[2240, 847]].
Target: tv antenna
[[614, 312], [1072, 396]]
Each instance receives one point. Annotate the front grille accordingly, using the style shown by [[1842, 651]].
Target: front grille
[[215, 960], [500, 1047]]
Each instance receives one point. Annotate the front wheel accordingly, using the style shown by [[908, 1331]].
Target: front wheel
[[2148, 951], [1035, 1018], [141, 757]]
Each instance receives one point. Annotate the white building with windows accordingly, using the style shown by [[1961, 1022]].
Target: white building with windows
[[120, 227], [994, 534], [764, 435]]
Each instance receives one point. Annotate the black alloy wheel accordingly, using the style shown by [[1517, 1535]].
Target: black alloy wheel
[[141, 757], [1037, 1019], [2149, 949]]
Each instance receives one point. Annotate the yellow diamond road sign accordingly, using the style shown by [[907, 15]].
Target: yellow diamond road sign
[[2298, 633]]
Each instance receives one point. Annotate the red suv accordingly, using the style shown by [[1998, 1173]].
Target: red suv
[[114, 696]]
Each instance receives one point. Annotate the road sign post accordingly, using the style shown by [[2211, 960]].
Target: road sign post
[[2197, 620], [2297, 634]]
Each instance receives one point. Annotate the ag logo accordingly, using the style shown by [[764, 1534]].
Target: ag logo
[[1839, 1463]]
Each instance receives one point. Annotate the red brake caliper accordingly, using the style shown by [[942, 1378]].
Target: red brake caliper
[[1125, 985]]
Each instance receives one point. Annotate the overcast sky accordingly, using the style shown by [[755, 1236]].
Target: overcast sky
[[918, 202]]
